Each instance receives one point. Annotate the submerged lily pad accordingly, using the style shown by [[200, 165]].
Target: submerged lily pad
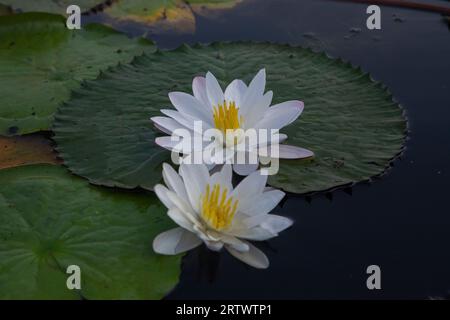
[[51, 6], [41, 61], [174, 15], [50, 219], [350, 122]]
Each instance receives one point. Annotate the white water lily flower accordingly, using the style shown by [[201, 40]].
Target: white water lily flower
[[239, 107], [209, 210]]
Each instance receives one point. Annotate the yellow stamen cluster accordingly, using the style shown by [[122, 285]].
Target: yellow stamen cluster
[[218, 210], [226, 117]]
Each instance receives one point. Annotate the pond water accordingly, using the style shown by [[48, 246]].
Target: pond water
[[400, 222]]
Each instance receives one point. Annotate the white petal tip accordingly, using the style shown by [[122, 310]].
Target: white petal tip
[[293, 152], [254, 257], [159, 247], [289, 222], [300, 105], [159, 142]]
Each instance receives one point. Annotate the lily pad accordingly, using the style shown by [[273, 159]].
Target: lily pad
[[174, 15], [50, 219], [27, 149], [51, 6], [350, 122], [39, 56]]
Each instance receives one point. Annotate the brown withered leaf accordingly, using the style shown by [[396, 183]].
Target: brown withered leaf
[[27, 149]]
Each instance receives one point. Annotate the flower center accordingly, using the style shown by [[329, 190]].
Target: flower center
[[226, 117], [217, 209]]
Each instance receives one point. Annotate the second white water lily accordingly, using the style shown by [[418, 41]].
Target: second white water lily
[[209, 210], [240, 108]]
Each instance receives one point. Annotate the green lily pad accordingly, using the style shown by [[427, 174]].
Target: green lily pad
[[41, 61], [350, 122], [50, 219], [174, 15], [51, 6]]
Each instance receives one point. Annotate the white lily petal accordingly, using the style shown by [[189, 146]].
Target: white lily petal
[[163, 130], [174, 182], [220, 155], [254, 220], [279, 138], [280, 115], [195, 178], [293, 152], [251, 185], [235, 92], [255, 90], [223, 177], [245, 169], [255, 233], [270, 138], [184, 120], [178, 144], [199, 90], [215, 93], [261, 203], [187, 104], [193, 157], [180, 203], [161, 193], [214, 245], [180, 219], [257, 111], [168, 124], [253, 257], [175, 241], [234, 242], [168, 143], [284, 152], [201, 232], [276, 224]]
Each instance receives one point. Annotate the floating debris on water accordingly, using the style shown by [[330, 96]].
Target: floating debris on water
[[376, 38], [398, 18], [355, 30]]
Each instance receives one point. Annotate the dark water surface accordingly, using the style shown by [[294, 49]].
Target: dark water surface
[[400, 222]]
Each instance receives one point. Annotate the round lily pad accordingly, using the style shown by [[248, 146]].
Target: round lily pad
[[350, 121], [51, 6], [41, 61], [50, 220]]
